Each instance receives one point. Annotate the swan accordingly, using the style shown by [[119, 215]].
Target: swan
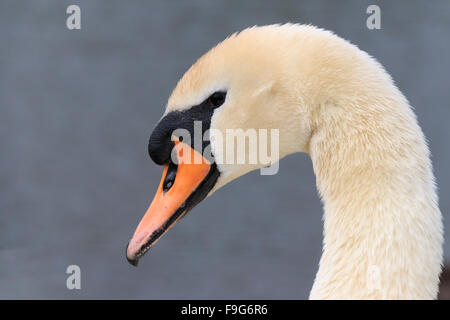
[[383, 232]]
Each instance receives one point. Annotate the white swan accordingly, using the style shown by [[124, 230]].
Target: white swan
[[383, 232]]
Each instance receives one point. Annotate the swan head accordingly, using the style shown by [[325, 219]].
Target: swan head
[[226, 117]]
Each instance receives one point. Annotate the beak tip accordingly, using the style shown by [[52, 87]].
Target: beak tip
[[133, 261]]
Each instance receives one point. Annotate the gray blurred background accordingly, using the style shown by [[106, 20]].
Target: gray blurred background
[[76, 111]]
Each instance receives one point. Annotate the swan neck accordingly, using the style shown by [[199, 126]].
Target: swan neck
[[382, 225]]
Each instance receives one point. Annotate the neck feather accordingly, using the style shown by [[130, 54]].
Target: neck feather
[[382, 226]]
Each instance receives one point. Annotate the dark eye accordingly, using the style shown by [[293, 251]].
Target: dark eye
[[216, 99]]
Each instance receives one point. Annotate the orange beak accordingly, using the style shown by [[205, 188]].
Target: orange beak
[[182, 186]]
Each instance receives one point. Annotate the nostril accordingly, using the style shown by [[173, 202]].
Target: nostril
[[167, 185], [169, 180]]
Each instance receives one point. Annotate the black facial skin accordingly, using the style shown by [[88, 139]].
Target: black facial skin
[[160, 147], [160, 144]]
